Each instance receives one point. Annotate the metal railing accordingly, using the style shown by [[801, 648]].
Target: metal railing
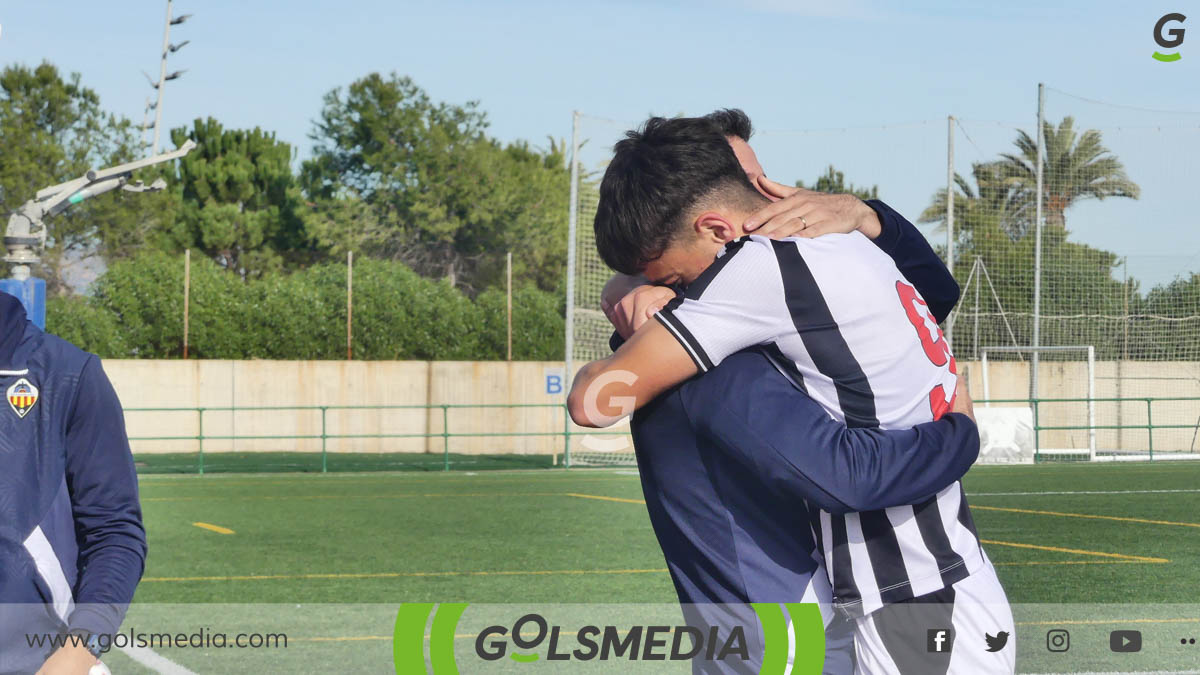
[[325, 436], [446, 433], [1149, 427]]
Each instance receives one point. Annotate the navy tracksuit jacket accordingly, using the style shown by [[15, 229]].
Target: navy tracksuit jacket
[[72, 545]]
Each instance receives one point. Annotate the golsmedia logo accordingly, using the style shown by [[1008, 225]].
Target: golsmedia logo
[[533, 639], [650, 643], [1170, 38]]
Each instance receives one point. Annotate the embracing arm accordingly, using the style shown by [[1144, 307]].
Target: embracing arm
[[103, 487], [748, 409], [606, 390], [692, 333]]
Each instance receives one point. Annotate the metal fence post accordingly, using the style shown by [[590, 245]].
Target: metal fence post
[[446, 437], [950, 206], [200, 438], [572, 228], [1037, 247], [1150, 427], [566, 437], [1037, 433], [324, 455]]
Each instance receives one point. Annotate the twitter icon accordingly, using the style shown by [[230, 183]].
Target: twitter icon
[[997, 643]]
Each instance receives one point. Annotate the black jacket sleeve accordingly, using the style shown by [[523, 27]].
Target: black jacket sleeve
[[915, 258], [102, 482], [746, 408]]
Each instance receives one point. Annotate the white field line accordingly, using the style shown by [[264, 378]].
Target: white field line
[[154, 661], [1082, 492]]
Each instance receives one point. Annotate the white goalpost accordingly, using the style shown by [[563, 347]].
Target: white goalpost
[[1060, 426]]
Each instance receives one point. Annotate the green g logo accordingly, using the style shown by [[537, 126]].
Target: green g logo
[[1168, 39]]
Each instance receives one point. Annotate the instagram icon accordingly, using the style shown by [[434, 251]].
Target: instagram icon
[[1058, 640]]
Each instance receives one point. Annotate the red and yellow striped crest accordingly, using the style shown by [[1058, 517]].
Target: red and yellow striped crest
[[22, 396]]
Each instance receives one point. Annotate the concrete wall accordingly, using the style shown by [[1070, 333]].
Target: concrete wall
[[246, 385], [249, 384], [1114, 379]]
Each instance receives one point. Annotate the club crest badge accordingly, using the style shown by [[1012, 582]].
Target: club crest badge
[[22, 396]]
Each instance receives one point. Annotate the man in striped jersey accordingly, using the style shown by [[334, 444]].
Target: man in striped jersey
[[845, 326]]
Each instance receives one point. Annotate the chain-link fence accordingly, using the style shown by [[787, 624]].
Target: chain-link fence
[[1114, 264]]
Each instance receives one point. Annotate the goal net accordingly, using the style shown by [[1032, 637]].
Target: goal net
[[587, 329], [1135, 299]]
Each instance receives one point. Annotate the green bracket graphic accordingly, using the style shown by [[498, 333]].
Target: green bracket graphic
[[441, 638], [1167, 58], [809, 629], [408, 638]]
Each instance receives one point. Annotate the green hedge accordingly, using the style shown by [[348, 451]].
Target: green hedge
[[136, 311]]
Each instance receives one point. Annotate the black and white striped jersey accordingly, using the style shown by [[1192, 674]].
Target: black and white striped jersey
[[840, 320]]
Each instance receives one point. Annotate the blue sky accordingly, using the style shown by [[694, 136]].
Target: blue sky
[[848, 68]]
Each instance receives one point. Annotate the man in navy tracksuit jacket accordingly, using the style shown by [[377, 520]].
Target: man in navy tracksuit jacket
[[72, 545], [729, 507]]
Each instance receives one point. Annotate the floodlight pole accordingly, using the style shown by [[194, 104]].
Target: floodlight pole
[[1036, 338], [145, 124], [162, 79], [950, 205], [572, 227]]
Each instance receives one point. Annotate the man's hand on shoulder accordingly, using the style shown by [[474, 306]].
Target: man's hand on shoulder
[[630, 312], [70, 659], [805, 213]]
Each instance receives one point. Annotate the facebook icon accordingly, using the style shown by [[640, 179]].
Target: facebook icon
[[939, 640]]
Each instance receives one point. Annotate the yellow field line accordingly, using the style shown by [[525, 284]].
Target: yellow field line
[[607, 499], [351, 496], [214, 528], [390, 496], [398, 575], [1076, 551], [353, 638], [490, 476], [1084, 515], [470, 636], [1103, 622], [365, 638], [1075, 562]]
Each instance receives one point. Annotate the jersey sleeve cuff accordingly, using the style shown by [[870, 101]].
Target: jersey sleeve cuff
[[889, 233], [692, 346]]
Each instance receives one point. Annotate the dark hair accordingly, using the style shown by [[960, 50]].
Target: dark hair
[[656, 178], [731, 122]]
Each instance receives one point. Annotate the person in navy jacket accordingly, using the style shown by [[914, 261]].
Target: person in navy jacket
[[72, 544], [732, 462]]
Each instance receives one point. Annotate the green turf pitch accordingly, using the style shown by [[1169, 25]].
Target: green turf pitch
[[1060, 533]]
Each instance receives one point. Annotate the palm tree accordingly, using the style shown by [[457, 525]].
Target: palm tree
[[1076, 168], [994, 202]]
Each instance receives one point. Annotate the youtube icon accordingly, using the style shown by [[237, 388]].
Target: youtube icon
[[1125, 641]]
